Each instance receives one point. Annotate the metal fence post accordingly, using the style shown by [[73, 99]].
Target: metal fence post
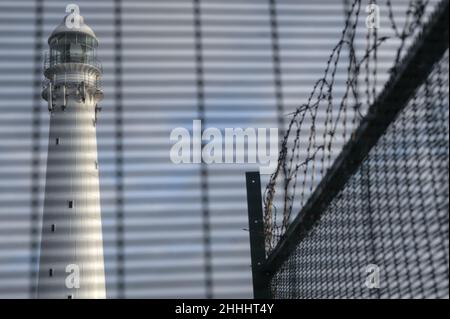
[[257, 244]]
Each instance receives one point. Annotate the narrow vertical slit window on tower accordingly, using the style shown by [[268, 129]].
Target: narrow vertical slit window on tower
[[71, 203], [50, 272], [53, 228], [57, 141]]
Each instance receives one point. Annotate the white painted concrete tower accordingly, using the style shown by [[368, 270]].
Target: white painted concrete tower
[[71, 257]]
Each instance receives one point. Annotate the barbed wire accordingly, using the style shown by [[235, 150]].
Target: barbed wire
[[298, 173]]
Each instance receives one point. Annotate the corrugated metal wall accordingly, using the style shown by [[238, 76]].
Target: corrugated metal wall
[[169, 230]]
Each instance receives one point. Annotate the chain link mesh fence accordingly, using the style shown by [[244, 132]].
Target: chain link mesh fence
[[392, 213], [385, 232]]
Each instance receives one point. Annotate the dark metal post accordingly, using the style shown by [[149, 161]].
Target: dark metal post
[[256, 228]]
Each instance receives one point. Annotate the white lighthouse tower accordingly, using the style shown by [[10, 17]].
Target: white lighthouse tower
[[71, 256]]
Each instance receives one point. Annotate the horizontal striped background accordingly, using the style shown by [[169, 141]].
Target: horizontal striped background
[[169, 230]]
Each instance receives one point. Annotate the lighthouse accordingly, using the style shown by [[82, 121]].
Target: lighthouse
[[71, 261]]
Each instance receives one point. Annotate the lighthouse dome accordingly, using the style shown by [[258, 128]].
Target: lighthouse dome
[[72, 46], [62, 28]]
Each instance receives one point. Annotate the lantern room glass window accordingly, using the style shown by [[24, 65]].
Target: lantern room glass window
[[73, 48]]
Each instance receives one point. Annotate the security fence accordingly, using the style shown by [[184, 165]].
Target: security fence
[[376, 222]]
